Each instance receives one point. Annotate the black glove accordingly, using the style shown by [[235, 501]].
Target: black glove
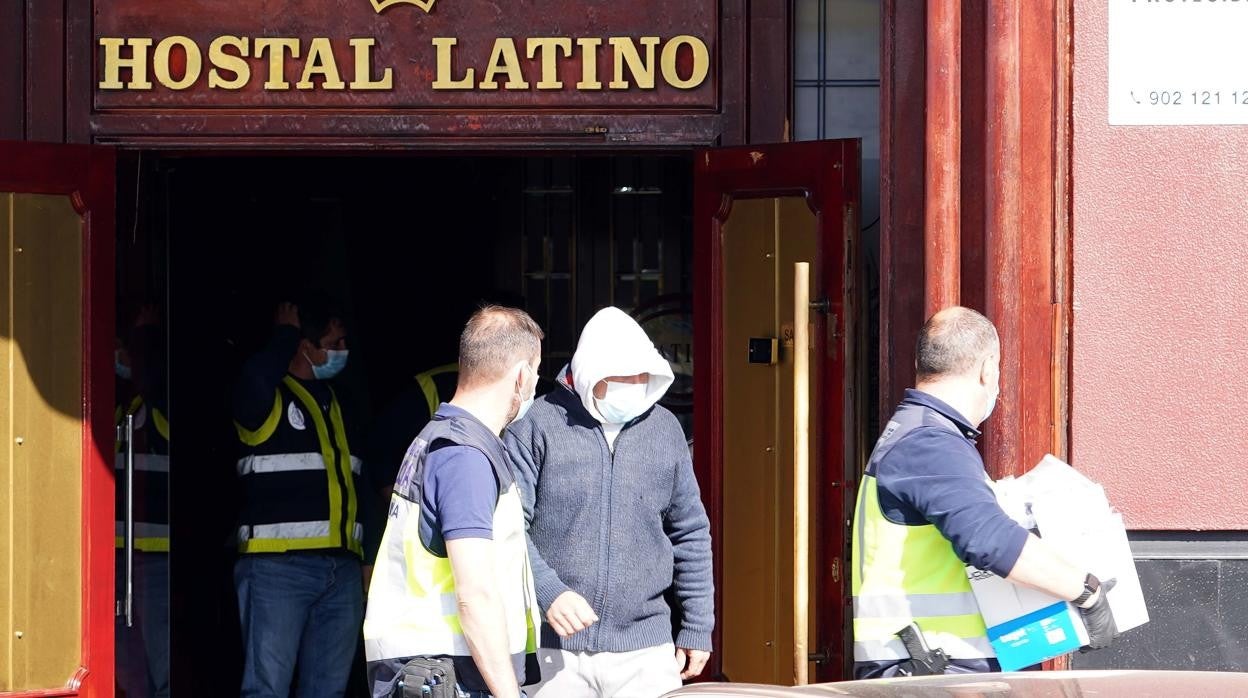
[[1099, 619]]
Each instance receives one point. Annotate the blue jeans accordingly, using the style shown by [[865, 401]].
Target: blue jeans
[[143, 648], [298, 611]]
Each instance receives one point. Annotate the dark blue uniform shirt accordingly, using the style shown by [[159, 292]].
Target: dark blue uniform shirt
[[935, 475], [932, 473]]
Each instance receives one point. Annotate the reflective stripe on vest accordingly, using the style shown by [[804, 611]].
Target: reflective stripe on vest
[[158, 418], [909, 573], [292, 532], [430, 389], [334, 459], [893, 650], [149, 536], [412, 606], [289, 462]]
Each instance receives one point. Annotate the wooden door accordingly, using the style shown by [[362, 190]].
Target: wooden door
[[56, 419], [757, 211]]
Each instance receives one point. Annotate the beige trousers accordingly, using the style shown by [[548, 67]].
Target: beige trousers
[[647, 673]]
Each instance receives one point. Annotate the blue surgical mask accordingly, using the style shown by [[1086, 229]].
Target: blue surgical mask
[[122, 370], [333, 365]]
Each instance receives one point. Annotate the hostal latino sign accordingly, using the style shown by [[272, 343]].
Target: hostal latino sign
[[427, 54]]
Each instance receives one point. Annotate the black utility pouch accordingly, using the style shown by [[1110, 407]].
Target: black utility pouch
[[426, 677]]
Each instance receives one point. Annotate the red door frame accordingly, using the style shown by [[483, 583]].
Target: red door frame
[[826, 174], [86, 174]]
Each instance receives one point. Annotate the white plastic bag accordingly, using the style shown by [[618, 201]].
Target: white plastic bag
[[1074, 516]]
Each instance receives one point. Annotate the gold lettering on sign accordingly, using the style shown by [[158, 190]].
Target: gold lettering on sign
[[177, 63], [642, 71], [504, 59], [636, 63], [228, 62], [136, 64], [276, 49], [589, 64], [701, 62], [321, 62], [550, 48], [364, 68], [162, 69], [445, 79], [382, 5]]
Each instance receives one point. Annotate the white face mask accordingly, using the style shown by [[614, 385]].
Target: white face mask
[[526, 403], [992, 403], [623, 402]]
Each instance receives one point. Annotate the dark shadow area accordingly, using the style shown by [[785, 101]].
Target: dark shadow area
[[407, 247]]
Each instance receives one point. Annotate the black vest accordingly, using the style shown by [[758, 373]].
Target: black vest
[[151, 477], [442, 431], [298, 478]]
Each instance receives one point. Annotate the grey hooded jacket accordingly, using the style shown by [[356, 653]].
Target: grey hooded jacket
[[626, 530]]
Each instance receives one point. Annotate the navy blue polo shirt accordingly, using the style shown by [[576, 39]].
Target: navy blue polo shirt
[[460, 490], [933, 474]]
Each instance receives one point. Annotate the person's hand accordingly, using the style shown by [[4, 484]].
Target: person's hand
[[690, 663], [366, 571], [570, 614], [1099, 619], [287, 314]]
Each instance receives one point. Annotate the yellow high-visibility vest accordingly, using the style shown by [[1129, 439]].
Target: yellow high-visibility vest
[[294, 439], [909, 573]]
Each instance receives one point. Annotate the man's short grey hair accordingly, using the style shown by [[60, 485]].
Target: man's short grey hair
[[495, 339], [952, 341]]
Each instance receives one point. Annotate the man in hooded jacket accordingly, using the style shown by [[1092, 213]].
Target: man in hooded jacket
[[615, 521]]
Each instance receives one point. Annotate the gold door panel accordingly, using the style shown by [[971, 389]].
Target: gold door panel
[[762, 238], [41, 441]]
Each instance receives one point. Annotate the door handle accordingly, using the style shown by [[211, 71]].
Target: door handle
[[801, 473], [128, 599]]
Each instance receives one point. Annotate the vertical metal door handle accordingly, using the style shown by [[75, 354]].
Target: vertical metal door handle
[[129, 598], [801, 473]]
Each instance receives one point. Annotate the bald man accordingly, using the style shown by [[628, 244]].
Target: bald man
[[926, 510]]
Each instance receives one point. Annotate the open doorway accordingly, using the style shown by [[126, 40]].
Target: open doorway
[[406, 246]]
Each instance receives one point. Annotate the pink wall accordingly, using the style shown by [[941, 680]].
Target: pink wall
[[1160, 386]]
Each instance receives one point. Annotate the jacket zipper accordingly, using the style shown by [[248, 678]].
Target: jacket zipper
[[604, 540]]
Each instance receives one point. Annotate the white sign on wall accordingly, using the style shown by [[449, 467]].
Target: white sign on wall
[[1178, 62]]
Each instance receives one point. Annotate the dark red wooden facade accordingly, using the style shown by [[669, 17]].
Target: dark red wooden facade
[[1008, 237], [50, 56]]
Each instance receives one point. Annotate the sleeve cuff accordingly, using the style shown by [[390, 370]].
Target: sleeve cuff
[[1010, 552], [693, 640], [459, 533], [549, 590]]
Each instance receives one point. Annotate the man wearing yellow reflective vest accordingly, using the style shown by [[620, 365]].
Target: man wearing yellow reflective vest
[[926, 510], [300, 534], [452, 595]]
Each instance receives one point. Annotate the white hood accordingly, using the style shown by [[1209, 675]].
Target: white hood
[[613, 344]]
